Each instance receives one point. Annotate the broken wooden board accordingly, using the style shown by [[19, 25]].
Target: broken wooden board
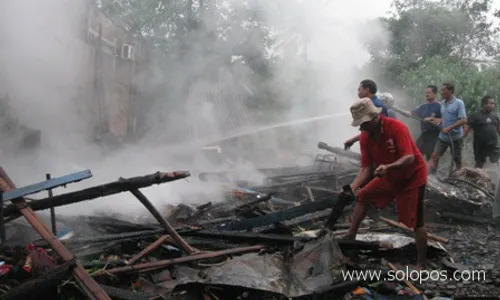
[[282, 215], [46, 185]]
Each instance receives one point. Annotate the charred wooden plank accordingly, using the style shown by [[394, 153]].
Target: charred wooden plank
[[260, 198], [123, 294], [107, 189], [250, 237], [169, 262], [88, 285], [282, 215], [163, 222], [46, 185], [110, 238]]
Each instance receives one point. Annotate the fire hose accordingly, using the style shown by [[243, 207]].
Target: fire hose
[[452, 146], [449, 179], [344, 201], [347, 196]]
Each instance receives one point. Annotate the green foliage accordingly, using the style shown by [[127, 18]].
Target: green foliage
[[448, 28], [177, 26], [193, 39], [472, 81], [423, 29], [433, 42]]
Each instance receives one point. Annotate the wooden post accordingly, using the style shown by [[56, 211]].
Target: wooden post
[[52, 210], [89, 286]]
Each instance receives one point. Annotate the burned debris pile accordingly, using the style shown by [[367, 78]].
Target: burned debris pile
[[265, 241]]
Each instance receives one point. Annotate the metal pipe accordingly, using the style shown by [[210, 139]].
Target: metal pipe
[[52, 210], [180, 260], [339, 151], [90, 287], [452, 146], [164, 223]]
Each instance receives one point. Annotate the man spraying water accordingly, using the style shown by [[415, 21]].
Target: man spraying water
[[367, 89]]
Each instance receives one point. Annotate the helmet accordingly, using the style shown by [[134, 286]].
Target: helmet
[[387, 99]]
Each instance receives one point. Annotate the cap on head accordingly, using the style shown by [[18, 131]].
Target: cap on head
[[364, 111]]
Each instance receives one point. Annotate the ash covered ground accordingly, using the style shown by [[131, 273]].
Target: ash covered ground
[[260, 241]]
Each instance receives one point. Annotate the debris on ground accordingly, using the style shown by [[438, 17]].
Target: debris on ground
[[262, 241]]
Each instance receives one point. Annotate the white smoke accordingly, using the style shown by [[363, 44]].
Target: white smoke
[[45, 68]]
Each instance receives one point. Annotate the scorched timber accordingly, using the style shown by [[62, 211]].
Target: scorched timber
[[283, 215], [49, 184], [246, 237], [88, 285], [164, 223], [175, 261], [108, 189]]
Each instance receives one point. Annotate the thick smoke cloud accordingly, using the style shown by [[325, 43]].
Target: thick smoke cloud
[[42, 68]]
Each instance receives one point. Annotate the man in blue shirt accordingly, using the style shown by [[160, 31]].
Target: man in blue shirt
[[367, 89], [429, 131], [453, 118]]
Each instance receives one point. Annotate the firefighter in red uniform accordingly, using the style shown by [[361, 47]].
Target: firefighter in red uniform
[[389, 156]]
